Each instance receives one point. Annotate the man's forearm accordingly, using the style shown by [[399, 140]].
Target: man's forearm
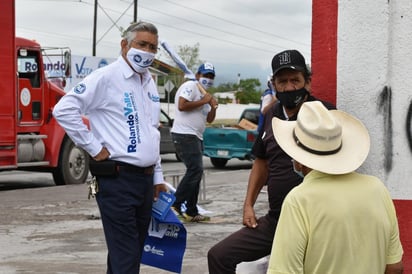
[[394, 268]]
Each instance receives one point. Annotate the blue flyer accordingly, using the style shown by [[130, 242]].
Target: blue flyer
[[162, 205]]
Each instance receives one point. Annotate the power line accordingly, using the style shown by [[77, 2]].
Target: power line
[[204, 35], [197, 33], [214, 38], [64, 37], [235, 23], [209, 27], [114, 22], [86, 2]]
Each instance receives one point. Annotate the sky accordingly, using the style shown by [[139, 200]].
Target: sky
[[238, 37]]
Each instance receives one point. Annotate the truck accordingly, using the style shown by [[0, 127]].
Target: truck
[[224, 143], [30, 138]]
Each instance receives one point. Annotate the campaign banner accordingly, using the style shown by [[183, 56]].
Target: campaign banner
[[58, 72], [165, 244], [82, 66]]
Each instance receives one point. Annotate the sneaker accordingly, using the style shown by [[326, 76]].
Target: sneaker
[[198, 218]]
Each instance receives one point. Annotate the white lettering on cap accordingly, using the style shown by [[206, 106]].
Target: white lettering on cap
[[284, 58]]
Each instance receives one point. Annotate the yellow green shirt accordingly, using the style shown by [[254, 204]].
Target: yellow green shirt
[[336, 224]]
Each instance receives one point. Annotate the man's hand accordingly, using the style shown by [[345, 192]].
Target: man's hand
[[157, 189], [207, 98], [213, 103], [249, 217], [102, 155]]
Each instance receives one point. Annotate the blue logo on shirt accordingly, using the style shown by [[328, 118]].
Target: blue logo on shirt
[[80, 88], [154, 98], [187, 91], [102, 63]]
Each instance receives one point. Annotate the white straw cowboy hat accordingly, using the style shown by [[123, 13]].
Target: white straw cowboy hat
[[330, 141]]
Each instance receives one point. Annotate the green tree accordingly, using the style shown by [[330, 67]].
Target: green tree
[[224, 87], [249, 91], [190, 55]]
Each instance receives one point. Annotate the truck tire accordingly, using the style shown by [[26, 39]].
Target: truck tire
[[219, 162], [73, 166]]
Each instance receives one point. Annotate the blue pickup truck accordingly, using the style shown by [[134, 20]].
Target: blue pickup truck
[[224, 143]]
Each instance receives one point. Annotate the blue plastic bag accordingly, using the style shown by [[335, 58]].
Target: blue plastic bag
[[165, 245]]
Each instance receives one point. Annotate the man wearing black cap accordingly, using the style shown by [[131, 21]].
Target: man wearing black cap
[[291, 80]]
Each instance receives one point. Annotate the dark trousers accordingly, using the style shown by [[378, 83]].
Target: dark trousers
[[244, 245], [125, 204], [190, 150]]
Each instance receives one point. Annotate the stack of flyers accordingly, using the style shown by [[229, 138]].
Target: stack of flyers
[[162, 205]]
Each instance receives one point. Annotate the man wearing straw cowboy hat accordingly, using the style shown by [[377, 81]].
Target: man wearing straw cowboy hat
[[337, 220], [272, 166]]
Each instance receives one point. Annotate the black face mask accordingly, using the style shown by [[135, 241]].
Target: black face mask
[[291, 99]]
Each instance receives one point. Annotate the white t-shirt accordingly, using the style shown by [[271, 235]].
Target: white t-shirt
[[194, 121], [123, 109]]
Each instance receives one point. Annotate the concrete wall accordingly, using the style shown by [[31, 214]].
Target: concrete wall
[[362, 51], [374, 39]]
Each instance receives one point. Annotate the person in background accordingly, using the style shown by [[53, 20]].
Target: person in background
[[337, 220], [122, 104], [272, 166], [267, 100], [193, 108]]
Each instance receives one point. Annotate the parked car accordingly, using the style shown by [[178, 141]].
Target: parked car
[[166, 142], [224, 143]]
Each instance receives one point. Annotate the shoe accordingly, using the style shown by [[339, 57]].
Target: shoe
[[176, 210], [178, 214], [198, 218]]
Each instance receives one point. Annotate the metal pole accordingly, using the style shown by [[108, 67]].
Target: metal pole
[[135, 11], [94, 28]]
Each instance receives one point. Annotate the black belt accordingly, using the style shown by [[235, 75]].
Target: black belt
[[121, 166]]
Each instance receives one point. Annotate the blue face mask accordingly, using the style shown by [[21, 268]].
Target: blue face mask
[[298, 172]]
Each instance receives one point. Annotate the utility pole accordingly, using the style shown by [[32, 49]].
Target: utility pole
[[135, 11], [95, 23], [94, 28]]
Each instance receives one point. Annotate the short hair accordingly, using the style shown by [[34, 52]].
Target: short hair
[[139, 26]]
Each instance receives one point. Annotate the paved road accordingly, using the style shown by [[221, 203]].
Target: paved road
[[55, 229]]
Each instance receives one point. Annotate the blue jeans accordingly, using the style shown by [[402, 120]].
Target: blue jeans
[[189, 148]]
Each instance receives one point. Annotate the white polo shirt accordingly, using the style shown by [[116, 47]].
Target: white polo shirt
[[123, 109]]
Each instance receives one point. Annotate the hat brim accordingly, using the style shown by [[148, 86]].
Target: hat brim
[[354, 150], [203, 72], [298, 68]]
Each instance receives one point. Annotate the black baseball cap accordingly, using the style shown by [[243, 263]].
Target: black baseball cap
[[291, 59]]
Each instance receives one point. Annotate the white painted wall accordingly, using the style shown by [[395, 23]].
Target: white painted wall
[[374, 56]]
